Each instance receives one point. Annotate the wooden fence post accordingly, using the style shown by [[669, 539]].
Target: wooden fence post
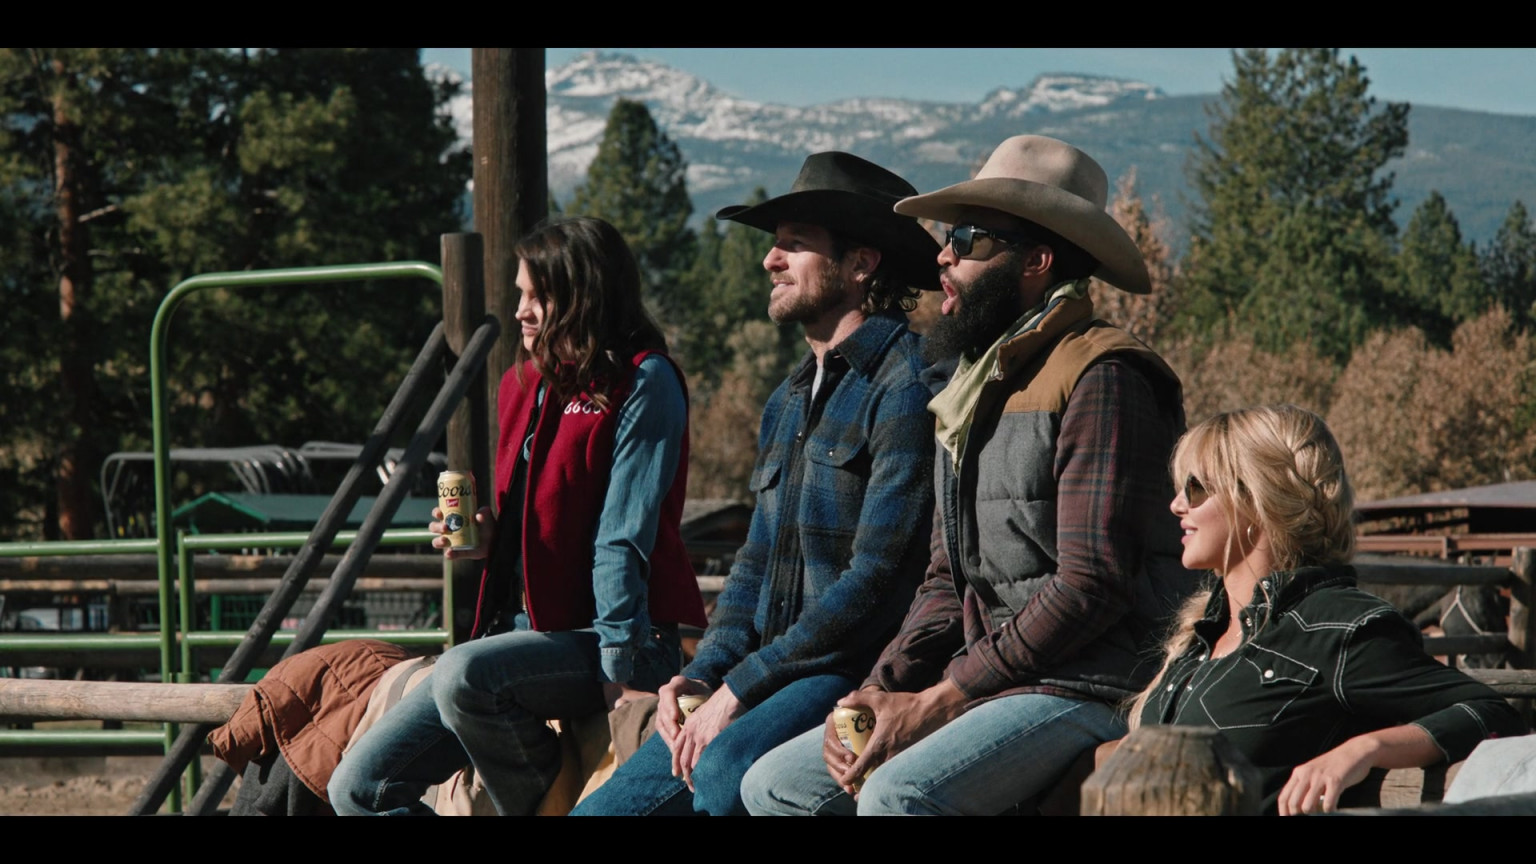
[[469, 446], [1173, 771], [1522, 597]]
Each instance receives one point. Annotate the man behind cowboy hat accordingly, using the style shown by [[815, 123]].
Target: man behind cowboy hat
[[844, 496], [1056, 560]]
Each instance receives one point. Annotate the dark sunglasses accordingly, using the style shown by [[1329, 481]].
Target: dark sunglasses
[[962, 238], [1195, 492]]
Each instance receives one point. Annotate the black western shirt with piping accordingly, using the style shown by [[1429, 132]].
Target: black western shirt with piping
[[1321, 662]]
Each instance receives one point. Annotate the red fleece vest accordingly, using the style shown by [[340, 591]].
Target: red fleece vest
[[569, 467]]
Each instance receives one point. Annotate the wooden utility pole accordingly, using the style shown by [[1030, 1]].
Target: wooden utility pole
[[511, 196], [511, 178]]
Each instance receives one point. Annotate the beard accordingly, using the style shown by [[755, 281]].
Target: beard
[[811, 299], [988, 307]]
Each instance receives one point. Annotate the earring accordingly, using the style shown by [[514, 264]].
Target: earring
[[1248, 533]]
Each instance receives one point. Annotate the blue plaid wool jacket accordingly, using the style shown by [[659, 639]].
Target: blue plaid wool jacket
[[839, 538]]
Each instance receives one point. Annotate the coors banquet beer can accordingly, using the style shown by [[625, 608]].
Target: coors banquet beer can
[[853, 727], [686, 705], [456, 498]]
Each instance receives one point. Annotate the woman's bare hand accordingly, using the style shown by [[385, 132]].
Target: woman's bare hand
[[485, 521]]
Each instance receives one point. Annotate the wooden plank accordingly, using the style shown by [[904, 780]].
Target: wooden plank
[[1499, 805], [1509, 683], [1401, 543], [113, 700], [1430, 574], [1441, 646]]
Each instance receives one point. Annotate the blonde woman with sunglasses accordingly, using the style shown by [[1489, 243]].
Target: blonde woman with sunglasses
[[1314, 680]]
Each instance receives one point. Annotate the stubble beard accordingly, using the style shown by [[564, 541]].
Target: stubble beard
[[810, 302], [988, 307]]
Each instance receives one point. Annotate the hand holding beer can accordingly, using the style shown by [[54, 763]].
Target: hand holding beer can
[[456, 499], [853, 727]]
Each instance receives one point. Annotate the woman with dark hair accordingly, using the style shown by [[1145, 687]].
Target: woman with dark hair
[[586, 577], [1314, 680]]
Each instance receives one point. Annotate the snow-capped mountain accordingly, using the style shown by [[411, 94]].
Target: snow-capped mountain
[[1062, 92], [733, 144]]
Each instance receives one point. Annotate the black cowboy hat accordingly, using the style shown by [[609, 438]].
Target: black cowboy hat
[[854, 198]]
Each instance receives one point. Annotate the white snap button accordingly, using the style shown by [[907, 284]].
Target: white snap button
[[1269, 673]]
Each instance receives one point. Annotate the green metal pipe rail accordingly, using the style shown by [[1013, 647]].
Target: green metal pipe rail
[[159, 333], [183, 751], [181, 553], [178, 631], [171, 636]]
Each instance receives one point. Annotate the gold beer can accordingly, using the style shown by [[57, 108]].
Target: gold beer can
[[689, 704], [456, 498], [853, 727]]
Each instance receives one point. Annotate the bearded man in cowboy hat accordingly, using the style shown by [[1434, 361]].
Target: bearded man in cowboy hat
[[844, 496], [1055, 558]]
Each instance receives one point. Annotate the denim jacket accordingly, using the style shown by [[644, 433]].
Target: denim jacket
[[838, 540], [1321, 662]]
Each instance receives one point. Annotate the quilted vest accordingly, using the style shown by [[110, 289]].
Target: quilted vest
[[1000, 525], [569, 467]]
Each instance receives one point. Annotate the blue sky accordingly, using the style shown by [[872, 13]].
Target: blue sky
[[1501, 80]]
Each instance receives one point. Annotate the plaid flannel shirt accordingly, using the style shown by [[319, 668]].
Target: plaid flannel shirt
[[844, 494]]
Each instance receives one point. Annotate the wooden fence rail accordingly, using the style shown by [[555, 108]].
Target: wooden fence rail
[[112, 700]]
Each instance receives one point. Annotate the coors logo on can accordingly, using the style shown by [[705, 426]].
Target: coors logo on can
[[456, 498], [853, 727]]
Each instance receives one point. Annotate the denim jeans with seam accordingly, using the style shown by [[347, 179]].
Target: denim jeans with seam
[[486, 703], [644, 786], [981, 763]]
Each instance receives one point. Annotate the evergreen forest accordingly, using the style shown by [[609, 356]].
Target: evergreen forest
[[123, 171]]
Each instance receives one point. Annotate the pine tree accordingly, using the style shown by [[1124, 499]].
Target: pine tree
[[637, 182], [1293, 225], [1438, 276], [730, 289], [181, 161], [1509, 265]]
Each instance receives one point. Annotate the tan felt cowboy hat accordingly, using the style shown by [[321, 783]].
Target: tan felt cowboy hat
[[854, 198], [1051, 183]]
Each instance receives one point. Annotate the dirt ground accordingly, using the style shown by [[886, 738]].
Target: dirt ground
[[78, 785]]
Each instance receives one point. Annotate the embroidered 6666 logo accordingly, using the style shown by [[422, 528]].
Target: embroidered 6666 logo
[[582, 406]]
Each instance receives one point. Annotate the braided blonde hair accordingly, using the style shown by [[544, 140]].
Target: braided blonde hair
[[1275, 466]]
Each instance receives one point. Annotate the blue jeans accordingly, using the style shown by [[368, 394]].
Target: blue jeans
[[981, 763], [644, 786], [485, 704]]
